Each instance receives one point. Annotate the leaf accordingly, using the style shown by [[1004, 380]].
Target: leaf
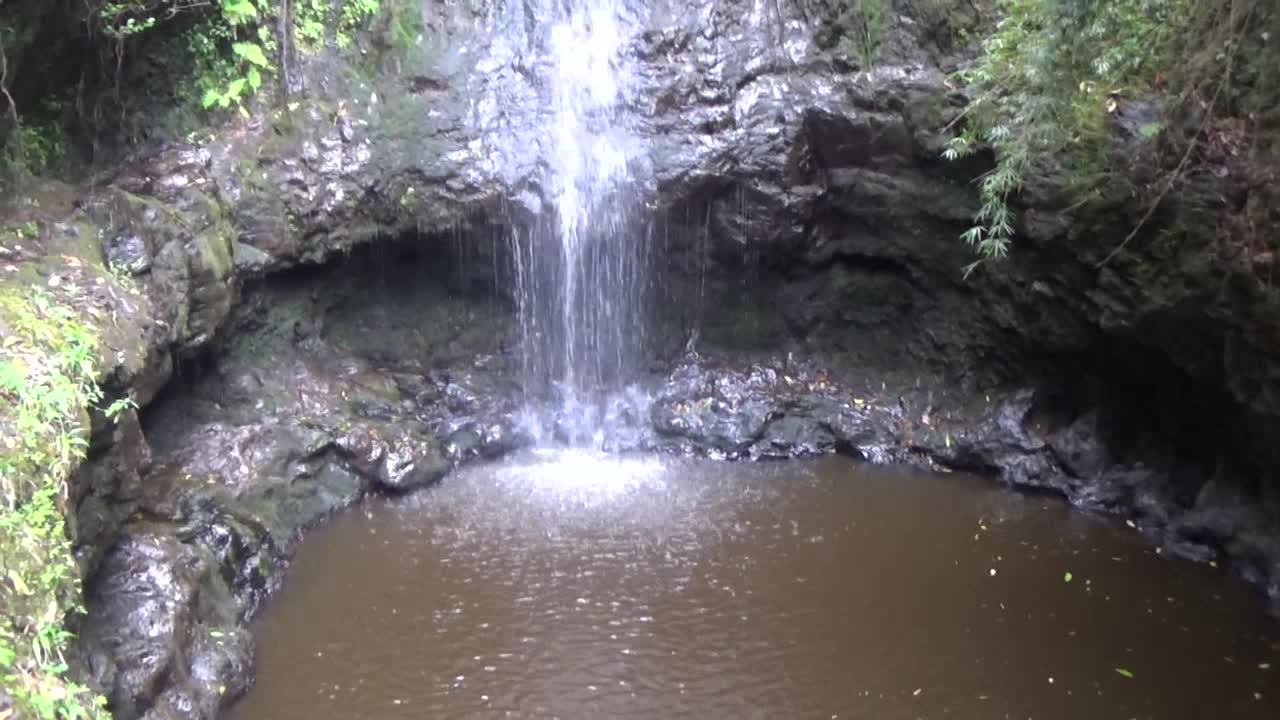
[[251, 52], [1149, 130], [236, 88], [211, 96], [255, 78], [238, 10], [1066, 577], [1124, 672]]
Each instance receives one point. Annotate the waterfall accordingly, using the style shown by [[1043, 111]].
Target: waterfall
[[582, 270]]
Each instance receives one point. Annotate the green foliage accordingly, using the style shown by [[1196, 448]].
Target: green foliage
[[38, 145], [1050, 74], [227, 79], [313, 18], [862, 23], [354, 15], [404, 23], [309, 23], [232, 44], [47, 371], [121, 20]]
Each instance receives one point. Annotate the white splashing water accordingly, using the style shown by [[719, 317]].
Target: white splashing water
[[582, 274]]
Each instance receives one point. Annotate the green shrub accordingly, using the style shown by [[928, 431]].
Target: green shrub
[[1051, 72], [48, 364]]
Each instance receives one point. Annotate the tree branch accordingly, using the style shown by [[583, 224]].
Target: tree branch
[[4, 84]]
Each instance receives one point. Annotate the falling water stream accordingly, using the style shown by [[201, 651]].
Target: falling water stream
[[582, 273]]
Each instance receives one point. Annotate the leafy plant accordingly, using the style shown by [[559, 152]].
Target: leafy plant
[[354, 15], [47, 370], [38, 146], [229, 85], [121, 20], [1050, 74]]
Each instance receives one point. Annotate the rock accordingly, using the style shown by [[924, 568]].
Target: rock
[[249, 260], [142, 607], [1080, 446], [411, 463], [128, 253]]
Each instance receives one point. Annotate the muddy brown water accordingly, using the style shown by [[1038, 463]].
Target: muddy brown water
[[578, 586]]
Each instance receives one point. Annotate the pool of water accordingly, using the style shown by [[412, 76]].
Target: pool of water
[[573, 585]]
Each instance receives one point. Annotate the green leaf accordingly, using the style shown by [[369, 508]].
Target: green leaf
[[236, 88], [251, 52], [211, 96], [12, 378], [1149, 130], [255, 78], [238, 10], [1066, 577], [1124, 672]]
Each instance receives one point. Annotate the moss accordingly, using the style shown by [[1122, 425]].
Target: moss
[[212, 254], [48, 363]]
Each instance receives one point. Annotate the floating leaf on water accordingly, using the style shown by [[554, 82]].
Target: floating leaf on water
[[1066, 577], [216, 633], [1124, 672]]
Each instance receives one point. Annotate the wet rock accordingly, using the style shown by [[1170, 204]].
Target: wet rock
[[241, 456], [108, 490], [1080, 447], [1000, 443], [242, 547], [142, 615], [210, 265], [411, 463], [129, 253]]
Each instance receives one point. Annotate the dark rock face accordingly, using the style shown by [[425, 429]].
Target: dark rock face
[[784, 409], [293, 423], [159, 638]]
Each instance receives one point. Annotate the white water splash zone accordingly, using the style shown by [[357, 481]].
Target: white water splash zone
[[583, 270]]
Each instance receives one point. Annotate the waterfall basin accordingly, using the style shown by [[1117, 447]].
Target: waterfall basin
[[573, 584]]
